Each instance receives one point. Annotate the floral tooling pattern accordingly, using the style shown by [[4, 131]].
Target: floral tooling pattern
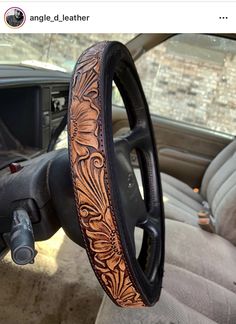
[[88, 164]]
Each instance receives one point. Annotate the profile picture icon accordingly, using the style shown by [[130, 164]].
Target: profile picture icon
[[15, 17]]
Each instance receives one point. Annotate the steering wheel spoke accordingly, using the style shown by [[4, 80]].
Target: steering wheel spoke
[[137, 137], [132, 203]]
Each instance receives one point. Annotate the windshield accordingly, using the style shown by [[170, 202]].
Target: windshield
[[51, 51]]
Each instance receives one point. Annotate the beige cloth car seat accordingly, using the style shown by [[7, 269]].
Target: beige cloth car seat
[[199, 282], [217, 193], [200, 271]]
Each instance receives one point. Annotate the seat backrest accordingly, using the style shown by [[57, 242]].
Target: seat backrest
[[219, 190]]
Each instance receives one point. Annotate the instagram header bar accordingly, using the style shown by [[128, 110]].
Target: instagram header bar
[[121, 17]]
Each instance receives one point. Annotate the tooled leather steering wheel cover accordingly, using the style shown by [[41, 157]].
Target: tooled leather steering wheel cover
[[89, 151]]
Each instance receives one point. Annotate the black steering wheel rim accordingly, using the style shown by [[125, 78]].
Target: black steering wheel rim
[[109, 204]]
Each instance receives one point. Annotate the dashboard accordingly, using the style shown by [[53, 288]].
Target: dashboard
[[33, 104]]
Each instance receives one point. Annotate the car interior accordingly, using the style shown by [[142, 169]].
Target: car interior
[[124, 169]]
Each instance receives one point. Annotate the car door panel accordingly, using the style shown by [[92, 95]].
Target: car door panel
[[184, 150], [173, 161]]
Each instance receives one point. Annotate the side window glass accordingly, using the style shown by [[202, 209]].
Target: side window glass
[[191, 78]]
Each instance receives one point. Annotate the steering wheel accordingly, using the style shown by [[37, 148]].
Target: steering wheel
[[108, 200]]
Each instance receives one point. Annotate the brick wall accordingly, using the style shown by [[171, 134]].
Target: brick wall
[[191, 84]]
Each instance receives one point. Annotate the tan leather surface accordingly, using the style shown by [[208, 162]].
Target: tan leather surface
[[91, 188]]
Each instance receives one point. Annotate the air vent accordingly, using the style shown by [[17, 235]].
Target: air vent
[[59, 100]]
